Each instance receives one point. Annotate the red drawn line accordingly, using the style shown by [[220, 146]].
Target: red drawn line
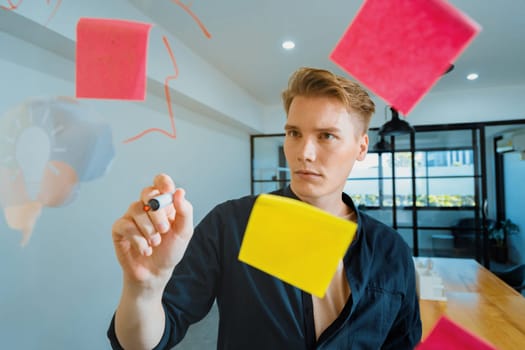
[[195, 18], [54, 11], [11, 6], [168, 100]]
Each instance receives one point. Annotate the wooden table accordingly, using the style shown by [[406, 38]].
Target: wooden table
[[478, 301]]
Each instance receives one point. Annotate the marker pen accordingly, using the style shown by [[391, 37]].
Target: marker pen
[[158, 202]]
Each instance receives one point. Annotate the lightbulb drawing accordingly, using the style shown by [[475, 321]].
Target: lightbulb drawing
[[33, 148], [47, 146]]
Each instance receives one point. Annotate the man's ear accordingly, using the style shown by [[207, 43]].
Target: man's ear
[[363, 147]]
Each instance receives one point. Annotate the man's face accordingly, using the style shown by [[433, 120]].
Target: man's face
[[321, 145]]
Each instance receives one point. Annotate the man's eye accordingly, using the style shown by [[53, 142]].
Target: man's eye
[[327, 136], [292, 133]]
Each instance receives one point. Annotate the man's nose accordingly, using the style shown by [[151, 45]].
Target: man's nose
[[308, 150]]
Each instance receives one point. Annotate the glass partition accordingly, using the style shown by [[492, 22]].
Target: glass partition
[[425, 185], [269, 168]]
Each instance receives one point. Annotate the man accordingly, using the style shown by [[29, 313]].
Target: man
[[171, 277]]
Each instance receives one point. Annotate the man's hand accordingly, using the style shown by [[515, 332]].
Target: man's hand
[[149, 244]]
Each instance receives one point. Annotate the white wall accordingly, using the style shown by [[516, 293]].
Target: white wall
[[60, 291]]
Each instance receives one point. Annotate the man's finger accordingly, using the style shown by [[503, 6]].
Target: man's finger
[[183, 213], [164, 183], [126, 229]]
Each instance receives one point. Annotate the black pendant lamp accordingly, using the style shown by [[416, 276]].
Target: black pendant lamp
[[395, 126], [382, 145]]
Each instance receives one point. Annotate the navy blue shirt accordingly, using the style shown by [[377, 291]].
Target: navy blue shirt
[[258, 311]]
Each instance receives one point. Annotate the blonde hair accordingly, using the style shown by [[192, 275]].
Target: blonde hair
[[313, 82]]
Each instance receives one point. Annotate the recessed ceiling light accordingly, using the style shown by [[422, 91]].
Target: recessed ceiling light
[[472, 76], [288, 45]]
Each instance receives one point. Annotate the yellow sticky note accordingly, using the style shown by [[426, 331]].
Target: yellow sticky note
[[295, 242]]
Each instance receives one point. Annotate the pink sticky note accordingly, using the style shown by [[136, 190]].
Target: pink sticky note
[[399, 49], [448, 335], [111, 59]]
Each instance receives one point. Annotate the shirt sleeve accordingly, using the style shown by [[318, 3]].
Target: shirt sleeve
[[191, 291], [406, 330], [113, 341]]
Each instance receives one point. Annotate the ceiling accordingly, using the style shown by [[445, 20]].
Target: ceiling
[[246, 37]]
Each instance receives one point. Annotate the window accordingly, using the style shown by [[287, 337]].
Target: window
[[443, 178]]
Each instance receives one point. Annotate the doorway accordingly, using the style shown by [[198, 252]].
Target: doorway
[[508, 169]]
